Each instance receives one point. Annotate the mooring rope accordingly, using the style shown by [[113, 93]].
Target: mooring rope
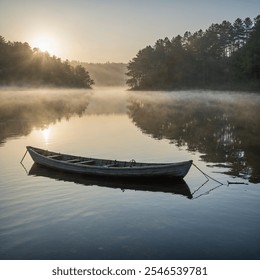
[[206, 175], [24, 156]]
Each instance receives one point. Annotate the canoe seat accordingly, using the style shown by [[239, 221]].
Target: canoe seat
[[72, 160], [53, 156], [86, 162], [111, 165]]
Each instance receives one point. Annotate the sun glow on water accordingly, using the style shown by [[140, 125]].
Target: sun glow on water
[[46, 134], [43, 135]]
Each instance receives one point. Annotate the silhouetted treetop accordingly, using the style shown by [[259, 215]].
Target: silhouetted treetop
[[224, 55], [22, 65]]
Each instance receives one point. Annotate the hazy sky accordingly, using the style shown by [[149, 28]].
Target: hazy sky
[[111, 30]]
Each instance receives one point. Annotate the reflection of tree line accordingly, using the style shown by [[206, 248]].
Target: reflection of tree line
[[20, 113], [226, 133]]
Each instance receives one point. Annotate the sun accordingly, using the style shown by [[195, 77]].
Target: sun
[[45, 44]]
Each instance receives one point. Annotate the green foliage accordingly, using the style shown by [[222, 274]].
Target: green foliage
[[246, 62], [224, 56], [21, 65]]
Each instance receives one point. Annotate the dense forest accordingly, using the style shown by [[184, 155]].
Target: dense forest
[[225, 56], [105, 74], [21, 65]]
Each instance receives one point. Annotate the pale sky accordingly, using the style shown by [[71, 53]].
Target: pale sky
[[111, 30]]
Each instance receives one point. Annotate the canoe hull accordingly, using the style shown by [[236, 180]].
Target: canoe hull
[[170, 170]]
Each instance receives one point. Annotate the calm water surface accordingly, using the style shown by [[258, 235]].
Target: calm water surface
[[46, 214]]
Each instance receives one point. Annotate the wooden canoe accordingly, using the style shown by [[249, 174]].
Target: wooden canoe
[[108, 168]]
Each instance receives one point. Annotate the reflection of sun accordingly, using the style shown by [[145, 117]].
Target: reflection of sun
[[46, 134]]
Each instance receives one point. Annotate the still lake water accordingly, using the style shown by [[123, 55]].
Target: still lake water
[[45, 214]]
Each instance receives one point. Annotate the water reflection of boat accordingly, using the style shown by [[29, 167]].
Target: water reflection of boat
[[111, 168], [165, 186]]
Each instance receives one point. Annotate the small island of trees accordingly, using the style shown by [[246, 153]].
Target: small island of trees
[[20, 65], [225, 56]]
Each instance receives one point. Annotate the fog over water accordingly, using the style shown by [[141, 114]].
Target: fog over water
[[23, 110], [223, 126], [47, 214]]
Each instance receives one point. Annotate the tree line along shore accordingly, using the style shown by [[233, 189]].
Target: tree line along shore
[[224, 56]]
